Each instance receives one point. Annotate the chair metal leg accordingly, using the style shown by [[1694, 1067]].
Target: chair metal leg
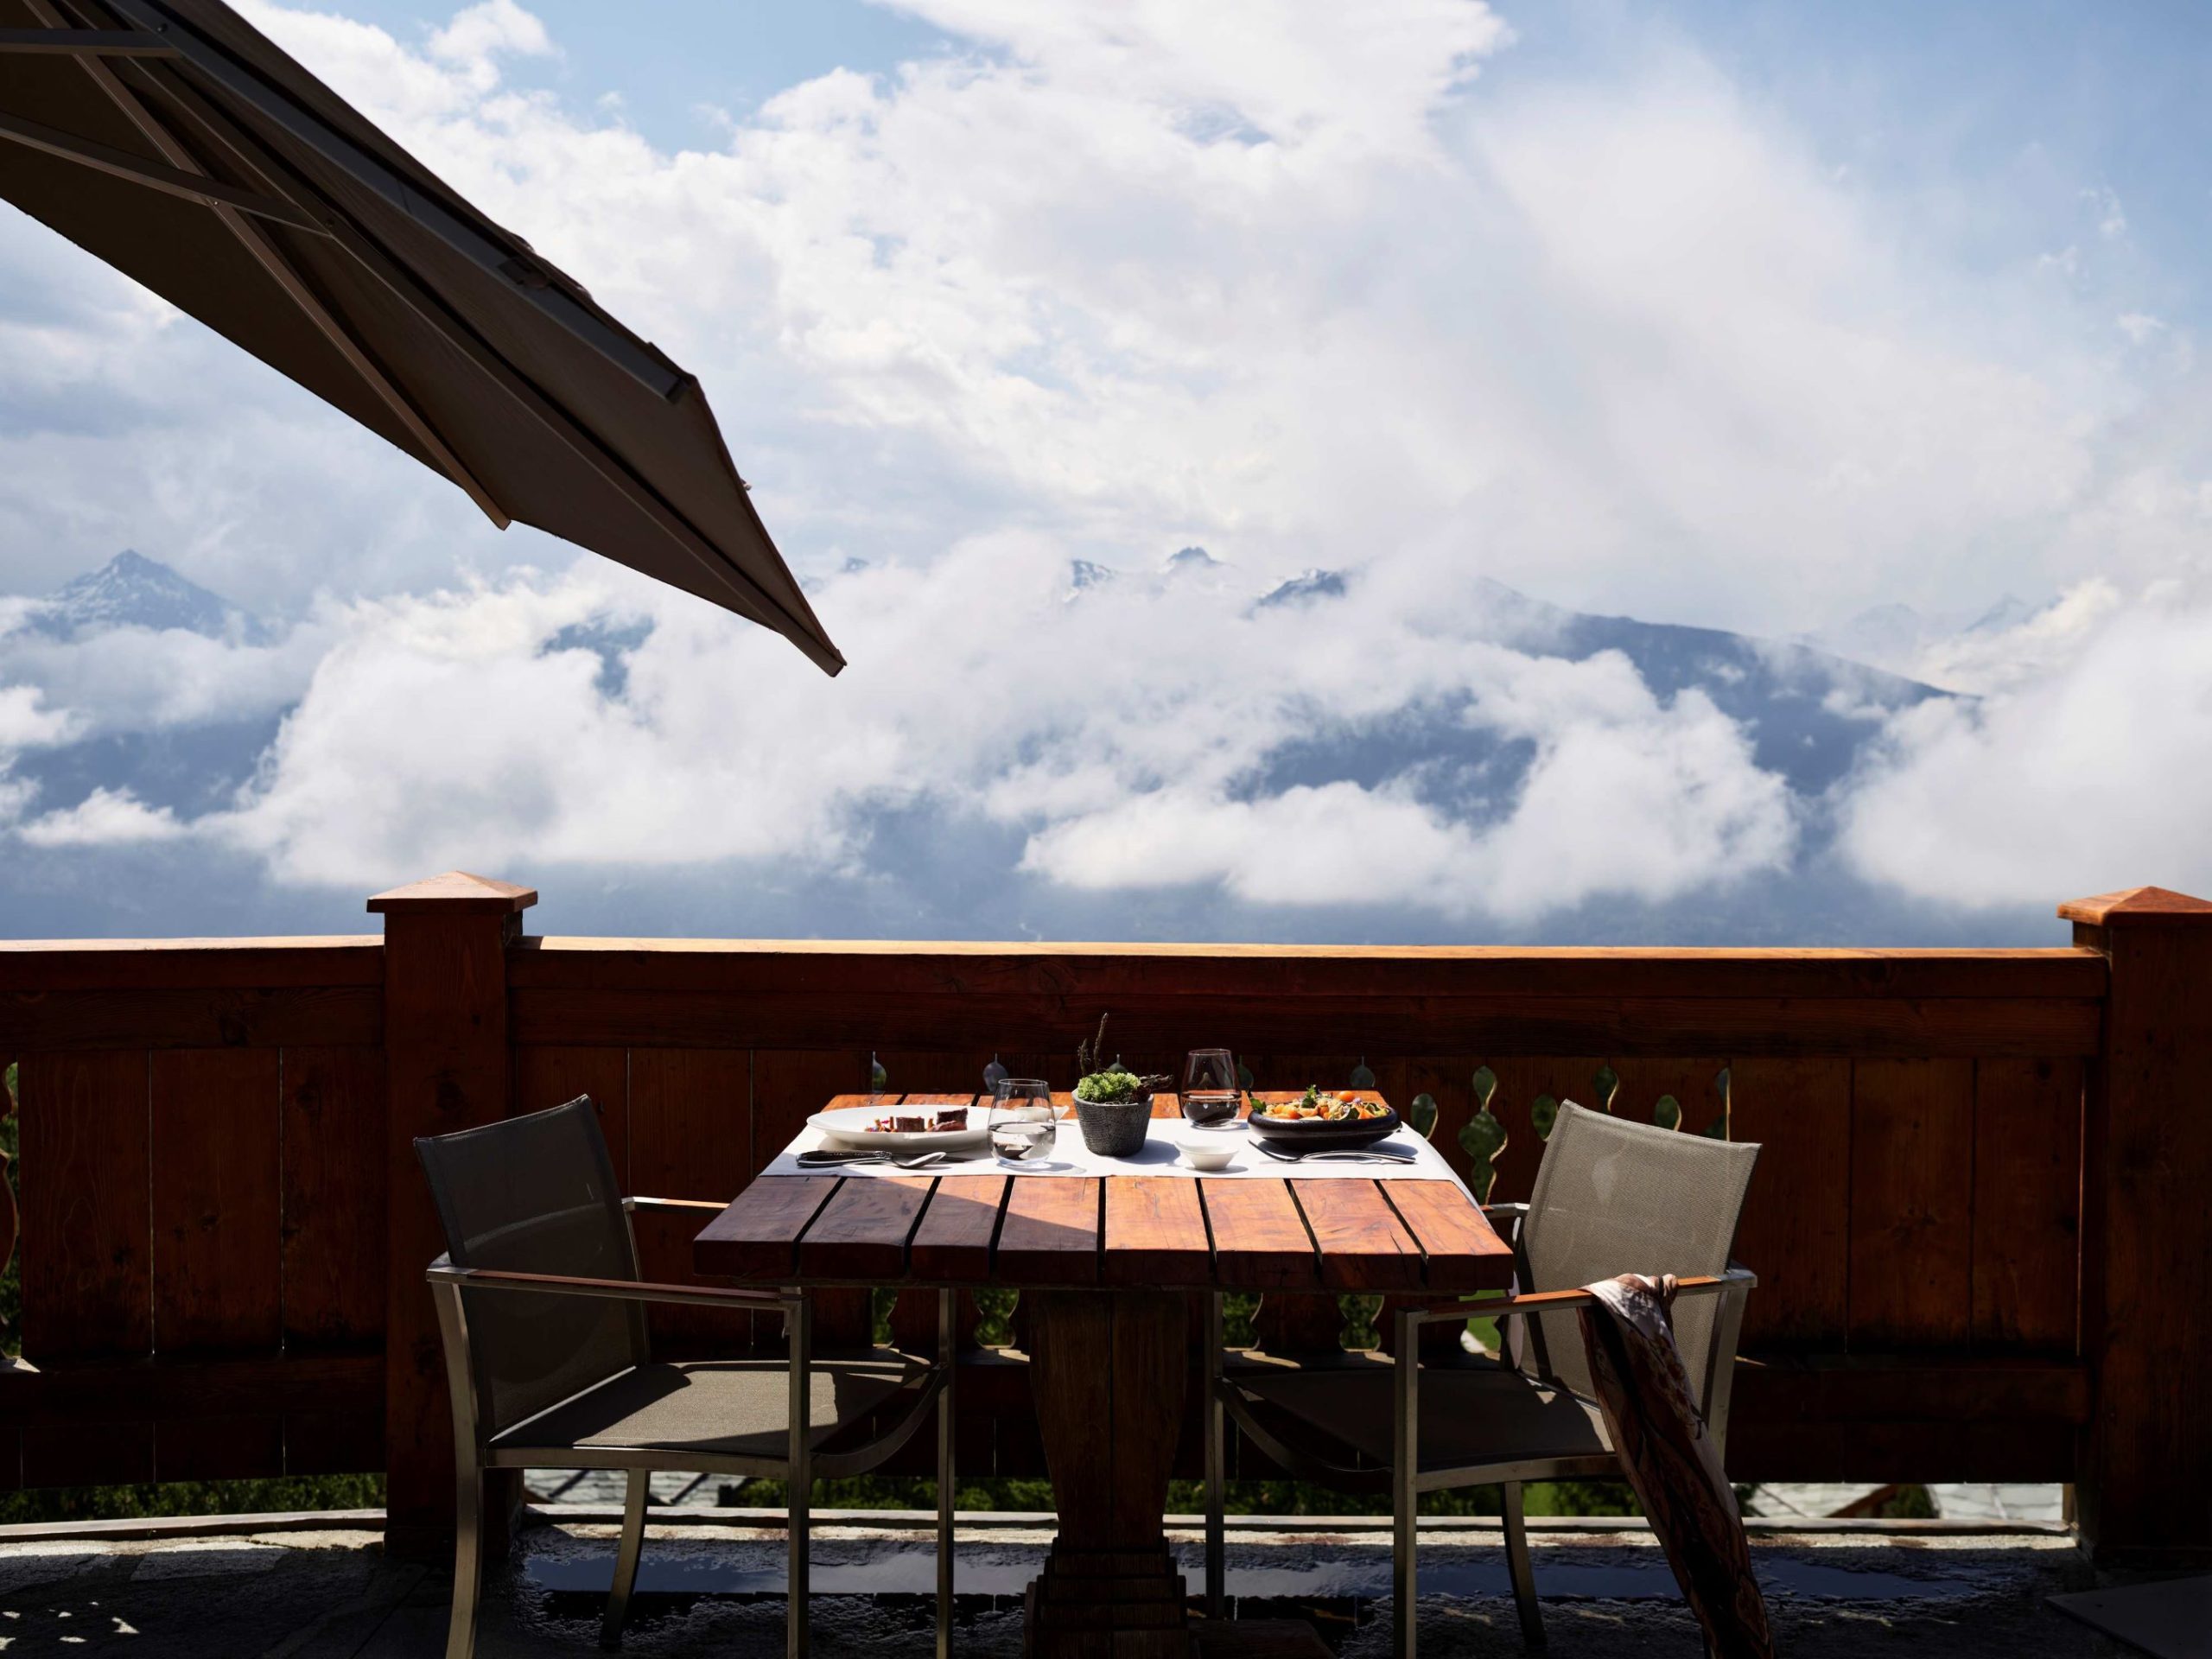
[[798, 1480], [468, 1557], [634, 1497], [1518, 1566], [947, 1353], [1217, 1468], [1405, 1472]]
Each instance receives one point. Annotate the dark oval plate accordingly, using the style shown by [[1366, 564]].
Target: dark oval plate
[[1313, 1133]]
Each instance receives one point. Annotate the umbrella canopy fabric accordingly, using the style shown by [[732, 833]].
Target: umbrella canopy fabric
[[172, 140]]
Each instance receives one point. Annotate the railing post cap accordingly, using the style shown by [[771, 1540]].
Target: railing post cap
[[456, 892], [2137, 906]]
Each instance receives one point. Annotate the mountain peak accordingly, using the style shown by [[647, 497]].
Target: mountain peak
[[1313, 584], [132, 591]]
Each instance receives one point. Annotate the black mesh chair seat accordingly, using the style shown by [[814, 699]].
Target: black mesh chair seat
[[713, 1409], [1470, 1415]]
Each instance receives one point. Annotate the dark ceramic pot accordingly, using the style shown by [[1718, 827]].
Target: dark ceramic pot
[[1113, 1128]]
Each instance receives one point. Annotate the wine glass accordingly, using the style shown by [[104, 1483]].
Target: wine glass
[[1023, 1121], [1210, 1087]]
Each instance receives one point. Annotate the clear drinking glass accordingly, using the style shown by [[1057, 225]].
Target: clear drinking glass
[[1210, 1086], [1024, 1123]]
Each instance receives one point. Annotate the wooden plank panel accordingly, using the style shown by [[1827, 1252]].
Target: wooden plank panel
[[86, 1260], [861, 1232], [1448, 1080], [1363, 1245], [690, 1137], [789, 1085], [934, 1070], [1911, 1203], [84, 1169], [547, 1077], [212, 1016], [953, 1244], [1796, 1230], [221, 1448], [1049, 1235], [1693, 1083], [119, 1453], [1260, 1241], [1156, 1022], [757, 1237], [861, 968], [2027, 1199], [334, 1195], [319, 1442], [218, 1245], [190, 1390], [1155, 1232], [690, 1121], [1288, 1073], [39, 965], [1460, 1251], [1909, 1450]]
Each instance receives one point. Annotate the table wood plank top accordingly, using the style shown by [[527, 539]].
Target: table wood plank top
[[1129, 1232]]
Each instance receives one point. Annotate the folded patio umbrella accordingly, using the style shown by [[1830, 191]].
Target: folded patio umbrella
[[174, 141]]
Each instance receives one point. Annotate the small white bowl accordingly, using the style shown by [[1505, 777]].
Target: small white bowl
[[1209, 1154]]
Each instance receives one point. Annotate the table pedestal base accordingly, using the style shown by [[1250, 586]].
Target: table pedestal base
[[1106, 1604], [1108, 1371]]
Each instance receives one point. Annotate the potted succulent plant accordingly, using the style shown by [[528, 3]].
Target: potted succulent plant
[[1112, 1103]]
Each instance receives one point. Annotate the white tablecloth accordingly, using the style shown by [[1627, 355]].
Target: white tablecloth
[[1159, 1157]]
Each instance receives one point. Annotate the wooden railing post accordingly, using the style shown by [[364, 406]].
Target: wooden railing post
[[446, 1048], [2144, 1480]]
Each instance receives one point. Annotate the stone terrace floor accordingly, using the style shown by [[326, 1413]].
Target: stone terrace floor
[[714, 1589]]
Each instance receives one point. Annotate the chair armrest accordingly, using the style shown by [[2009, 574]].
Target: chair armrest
[[1516, 1211], [614, 1290], [635, 1205], [1554, 1302]]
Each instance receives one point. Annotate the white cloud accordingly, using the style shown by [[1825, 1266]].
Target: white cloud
[[482, 32], [2093, 775], [106, 817], [27, 723], [1293, 281], [445, 731], [1649, 810], [143, 679]]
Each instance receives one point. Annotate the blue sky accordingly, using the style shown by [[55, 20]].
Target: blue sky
[[1743, 317], [2051, 96], [674, 63]]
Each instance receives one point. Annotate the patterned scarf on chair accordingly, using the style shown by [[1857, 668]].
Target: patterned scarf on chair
[[1651, 1413]]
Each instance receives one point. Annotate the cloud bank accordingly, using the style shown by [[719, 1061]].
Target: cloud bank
[[1304, 286]]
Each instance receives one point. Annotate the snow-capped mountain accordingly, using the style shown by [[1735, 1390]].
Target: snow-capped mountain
[[131, 590]]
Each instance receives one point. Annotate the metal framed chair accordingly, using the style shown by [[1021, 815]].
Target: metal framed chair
[[543, 1315], [1611, 1197]]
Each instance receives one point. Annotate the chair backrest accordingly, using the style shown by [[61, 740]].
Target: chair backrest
[[1614, 1197], [537, 1194]]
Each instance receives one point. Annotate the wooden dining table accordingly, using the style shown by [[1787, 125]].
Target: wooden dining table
[[1107, 1265]]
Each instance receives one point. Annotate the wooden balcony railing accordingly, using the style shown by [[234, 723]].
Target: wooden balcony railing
[[1985, 1190]]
